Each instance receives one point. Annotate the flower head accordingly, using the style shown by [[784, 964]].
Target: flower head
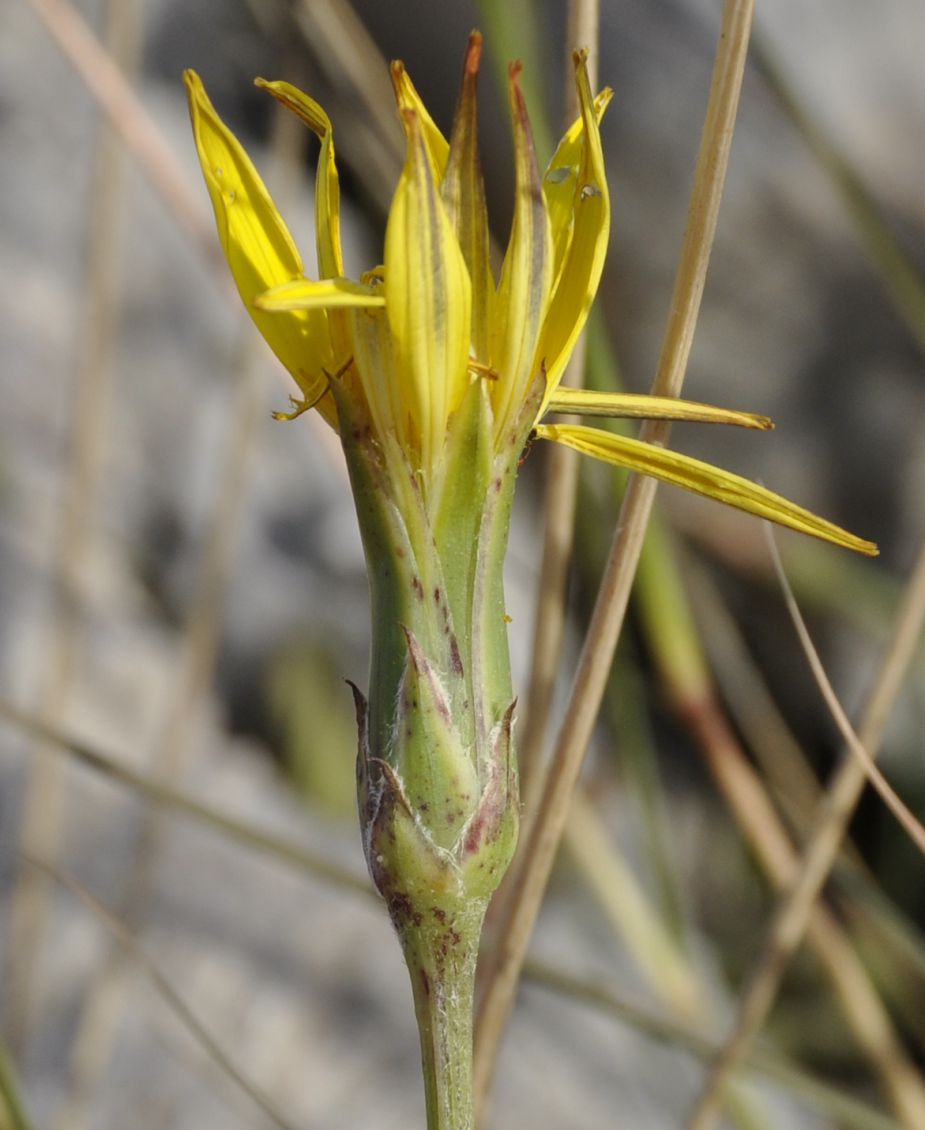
[[402, 346]]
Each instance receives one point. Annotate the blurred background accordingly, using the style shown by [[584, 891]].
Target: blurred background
[[182, 584]]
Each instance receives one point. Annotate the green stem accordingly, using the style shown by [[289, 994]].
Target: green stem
[[12, 1112], [441, 957]]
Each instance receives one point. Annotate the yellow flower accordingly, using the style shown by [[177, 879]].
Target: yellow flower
[[408, 340]]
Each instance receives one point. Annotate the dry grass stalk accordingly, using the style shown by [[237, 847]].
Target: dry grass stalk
[[561, 471], [108, 995], [858, 1000], [797, 903], [43, 812], [540, 844], [904, 815], [173, 998], [132, 122], [118, 770]]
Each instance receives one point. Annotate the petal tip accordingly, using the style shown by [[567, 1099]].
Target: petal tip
[[517, 100], [398, 73], [193, 84], [473, 53]]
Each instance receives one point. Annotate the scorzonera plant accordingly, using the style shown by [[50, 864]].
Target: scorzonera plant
[[435, 376]]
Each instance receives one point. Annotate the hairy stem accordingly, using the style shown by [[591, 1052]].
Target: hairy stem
[[441, 957]]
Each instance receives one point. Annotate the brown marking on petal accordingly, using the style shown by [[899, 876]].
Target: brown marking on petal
[[455, 657], [463, 193], [396, 70], [473, 53]]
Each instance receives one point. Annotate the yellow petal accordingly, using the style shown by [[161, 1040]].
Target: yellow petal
[[328, 294], [581, 234], [257, 244], [407, 97], [627, 405], [526, 277], [702, 478], [373, 354], [327, 184], [428, 297], [561, 177], [463, 194]]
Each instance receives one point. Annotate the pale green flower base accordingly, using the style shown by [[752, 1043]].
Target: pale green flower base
[[437, 778]]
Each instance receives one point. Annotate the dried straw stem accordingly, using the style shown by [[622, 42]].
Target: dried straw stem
[[43, 812], [796, 907], [542, 839]]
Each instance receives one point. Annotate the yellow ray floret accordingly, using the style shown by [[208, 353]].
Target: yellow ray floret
[[641, 406], [407, 97], [327, 183], [260, 251], [463, 193], [428, 298], [523, 294], [701, 478], [579, 203], [327, 294]]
